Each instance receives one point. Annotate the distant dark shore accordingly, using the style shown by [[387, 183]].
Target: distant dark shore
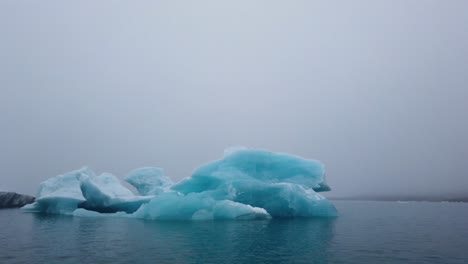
[[14, 200], [408, 198]]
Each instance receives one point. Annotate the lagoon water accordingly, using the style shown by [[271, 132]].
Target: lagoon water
[[365, 232]]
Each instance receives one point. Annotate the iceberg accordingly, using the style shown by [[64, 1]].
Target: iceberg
[[284, 185], [105, 194], [243, 184], [149, 180], [60, 194], [197, 206]]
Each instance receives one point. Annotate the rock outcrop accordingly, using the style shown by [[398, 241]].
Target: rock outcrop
[[14, 200]]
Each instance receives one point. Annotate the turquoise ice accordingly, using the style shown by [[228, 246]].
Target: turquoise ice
[[244, 184]]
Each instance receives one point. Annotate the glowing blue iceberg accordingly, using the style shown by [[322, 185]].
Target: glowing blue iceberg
[[197, 206], [105, 194], [283, 184], [244, 184], [60, 194], [149, 180]]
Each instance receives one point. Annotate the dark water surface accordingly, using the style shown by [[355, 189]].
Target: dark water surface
[[365, 232]]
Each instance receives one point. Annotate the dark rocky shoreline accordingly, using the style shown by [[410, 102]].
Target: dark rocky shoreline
[[14, 200]]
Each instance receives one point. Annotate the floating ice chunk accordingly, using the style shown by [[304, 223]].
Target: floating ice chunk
[[149, 180], [284, 199], [255, 165], [244, 184], [87, 213], [60, 194], [284, 185], [196, 206], [105, 194], [226, 209]]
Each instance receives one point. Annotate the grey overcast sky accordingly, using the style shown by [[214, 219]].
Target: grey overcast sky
[[375, 89]]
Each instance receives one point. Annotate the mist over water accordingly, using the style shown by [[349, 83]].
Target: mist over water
[[376, 90]]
